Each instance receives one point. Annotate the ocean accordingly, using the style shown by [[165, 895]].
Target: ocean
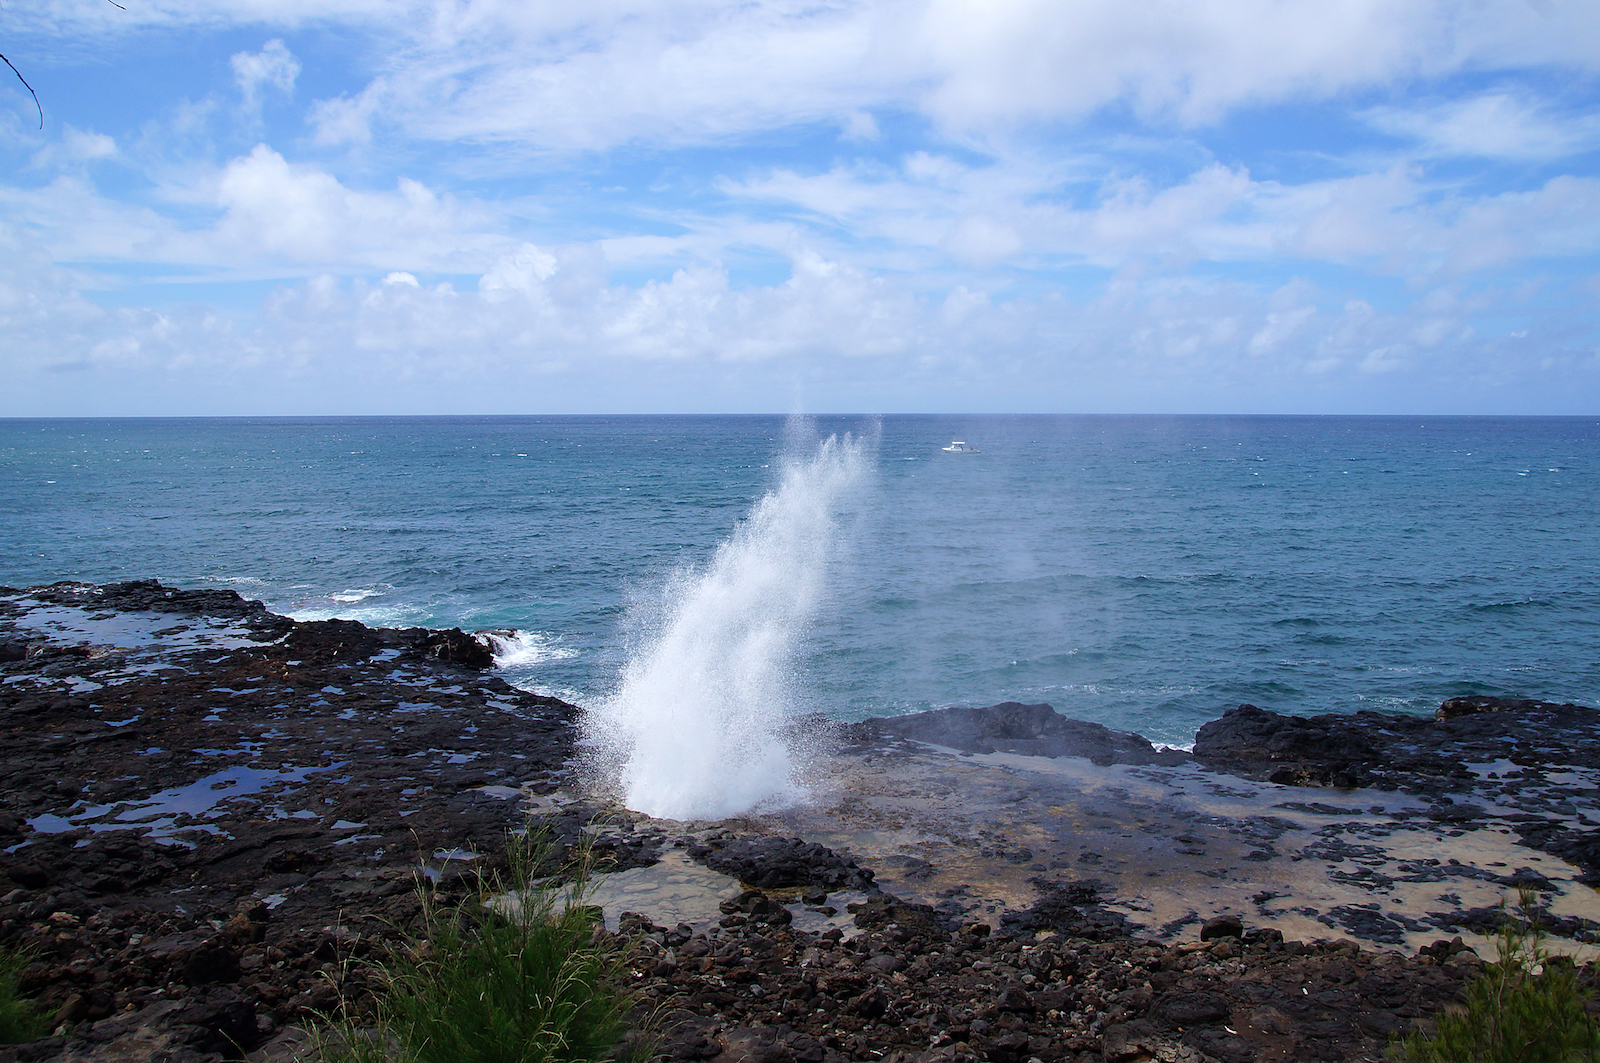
[[1143, 572]]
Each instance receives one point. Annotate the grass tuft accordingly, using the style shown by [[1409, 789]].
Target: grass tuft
[[517, 974], [21, 1020], [1529, 1007]]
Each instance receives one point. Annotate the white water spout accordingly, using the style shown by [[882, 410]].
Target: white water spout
[[694, 730]]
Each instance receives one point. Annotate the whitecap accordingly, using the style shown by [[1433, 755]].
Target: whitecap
[[358, 594], [514, 648]]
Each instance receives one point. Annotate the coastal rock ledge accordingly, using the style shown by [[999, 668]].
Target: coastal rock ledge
[[214, 819], [1390, 751], [1012, 727]]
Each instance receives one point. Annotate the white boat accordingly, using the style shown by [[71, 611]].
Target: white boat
[[958, 446]]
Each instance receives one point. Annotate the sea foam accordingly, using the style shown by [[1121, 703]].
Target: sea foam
[[695, 728], [514, 648]]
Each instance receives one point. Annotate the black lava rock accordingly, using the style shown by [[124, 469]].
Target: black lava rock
[[776, 863], [1012, 727]]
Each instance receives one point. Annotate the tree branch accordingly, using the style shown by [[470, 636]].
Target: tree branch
[[29, 87]]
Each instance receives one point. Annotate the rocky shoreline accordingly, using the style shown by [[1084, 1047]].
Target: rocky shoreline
[[214, 816]]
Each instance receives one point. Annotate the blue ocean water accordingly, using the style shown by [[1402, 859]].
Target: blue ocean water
[[1145, 572]]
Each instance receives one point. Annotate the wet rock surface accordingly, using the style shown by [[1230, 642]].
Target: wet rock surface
[[771, 863], [1389, 751], [1012, 727], [1533, 749], [213, 817], [1390, 829]]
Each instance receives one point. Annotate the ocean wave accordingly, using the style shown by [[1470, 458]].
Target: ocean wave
[[361, 594], [370, 605], [570, 695], [237, 581], [1504, 607], [514, 648]]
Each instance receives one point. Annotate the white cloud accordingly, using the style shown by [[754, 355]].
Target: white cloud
[[861, 126], [546, 330], [80, 225], [921, 162], [272, 67], [300, 214], [87, 17], [689, 71], [586, 77], [1502, 125], [1281, 328], [1190, 343], [56, 337], [345, 120], [982, 241], [76, 147], [524, 270], [1560, 219], [1190, 60], [271, 217], [1393, 221], [262, 216]]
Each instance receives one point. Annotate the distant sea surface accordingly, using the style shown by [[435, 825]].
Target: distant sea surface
[[1143, 572]]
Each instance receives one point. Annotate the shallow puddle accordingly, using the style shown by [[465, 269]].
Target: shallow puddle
[[678, 890], [675, 890], [1170, 847], [159, 813]]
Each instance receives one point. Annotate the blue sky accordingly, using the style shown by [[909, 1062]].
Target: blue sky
[[387, 206]]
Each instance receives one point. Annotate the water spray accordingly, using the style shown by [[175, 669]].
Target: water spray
[[695, 729]]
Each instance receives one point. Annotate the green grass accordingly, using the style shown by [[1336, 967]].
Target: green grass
[[522, 979], [21, 1020], [1528, 1007]]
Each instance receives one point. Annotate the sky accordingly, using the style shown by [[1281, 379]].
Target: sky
[[258, 207]]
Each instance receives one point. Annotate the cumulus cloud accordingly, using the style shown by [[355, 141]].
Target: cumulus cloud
[[546, 328], [271, 217], [305, 215], [963, 201], [267, 216]]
